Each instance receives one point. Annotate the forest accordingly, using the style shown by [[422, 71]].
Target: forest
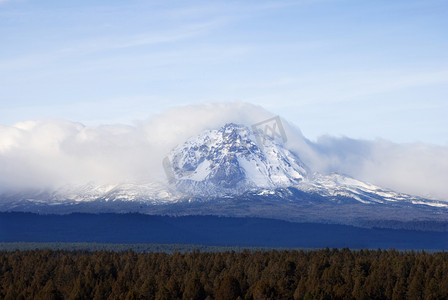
[[286, 274]]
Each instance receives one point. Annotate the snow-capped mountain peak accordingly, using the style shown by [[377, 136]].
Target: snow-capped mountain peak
[[229, 161]]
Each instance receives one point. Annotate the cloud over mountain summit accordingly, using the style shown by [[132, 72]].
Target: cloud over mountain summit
[[52, 153]]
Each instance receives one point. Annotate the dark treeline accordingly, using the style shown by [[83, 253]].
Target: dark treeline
[[202, 230], [320, 274]]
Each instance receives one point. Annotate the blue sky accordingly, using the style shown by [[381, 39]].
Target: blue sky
[[362, 69]]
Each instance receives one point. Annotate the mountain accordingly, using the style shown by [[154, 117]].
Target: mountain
[[228, 161], [236, 171]]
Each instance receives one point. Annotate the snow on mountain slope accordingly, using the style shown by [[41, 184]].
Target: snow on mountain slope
[[225, 163], [153, 193], [228, 161], [335, 185]]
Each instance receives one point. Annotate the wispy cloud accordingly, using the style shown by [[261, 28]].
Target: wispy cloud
[[152, 38], [342, 86], [102, 44]]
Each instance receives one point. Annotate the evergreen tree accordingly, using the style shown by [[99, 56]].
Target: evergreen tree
[[194, 289], [228, 289]]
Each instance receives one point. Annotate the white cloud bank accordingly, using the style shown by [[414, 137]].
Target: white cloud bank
[[416, 169], [53, 153]]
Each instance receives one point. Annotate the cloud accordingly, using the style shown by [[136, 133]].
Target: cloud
[[53, 153], [413, 168], [185, 32]]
